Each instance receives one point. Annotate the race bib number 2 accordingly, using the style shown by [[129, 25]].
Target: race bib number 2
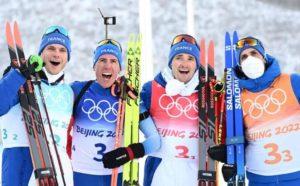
[[183, 152]]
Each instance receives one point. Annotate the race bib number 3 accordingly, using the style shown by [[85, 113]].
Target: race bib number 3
[[277, 155]]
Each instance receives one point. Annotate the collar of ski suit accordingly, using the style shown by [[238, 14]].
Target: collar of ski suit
[[97, 88], [263, 82], [160, 80], [50, 79], [175, 87]]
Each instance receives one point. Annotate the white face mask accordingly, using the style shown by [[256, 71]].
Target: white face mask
[[253, 67]]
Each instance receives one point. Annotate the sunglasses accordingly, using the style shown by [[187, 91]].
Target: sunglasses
[[247, 42], [186, 38], [110, 41], [59, 29]]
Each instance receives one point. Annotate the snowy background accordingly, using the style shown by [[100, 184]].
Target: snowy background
[[276, 23]]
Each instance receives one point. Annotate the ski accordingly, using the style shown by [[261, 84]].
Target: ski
[[44, 169], [128, 112], [211, 117], [29, 87], [119, 125], [234, 118], [136, 109], [229, 103], [131, 125], [220, 113], [202, 116], [207, 117], [238, 119]]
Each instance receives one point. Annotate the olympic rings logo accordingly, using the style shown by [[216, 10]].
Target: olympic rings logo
[[94, 112], [265, 103], [180, 106], [58, 99]]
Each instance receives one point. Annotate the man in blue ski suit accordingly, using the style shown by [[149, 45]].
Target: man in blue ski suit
[[54, 50], [95, 118]]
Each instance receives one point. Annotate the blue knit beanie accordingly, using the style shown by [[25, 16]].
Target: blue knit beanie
[[184, 47], [108, 49], [259, 47], [55, 38]]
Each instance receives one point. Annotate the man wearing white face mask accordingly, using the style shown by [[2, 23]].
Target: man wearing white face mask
[[270, 102], [171, 100]]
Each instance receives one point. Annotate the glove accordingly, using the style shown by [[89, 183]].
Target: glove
[[122, 155], [116, 88], [218, 152], [228, 171], [31, 66]]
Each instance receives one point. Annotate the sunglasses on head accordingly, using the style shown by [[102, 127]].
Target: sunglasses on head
[[247, 42], [110, 41], [186, 38], [59, 29]]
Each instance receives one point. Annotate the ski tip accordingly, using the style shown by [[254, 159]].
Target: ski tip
[[234, 41], [211, 44], [235, 36], [211, 47], [227, 36], [9, 37], [202, 52], [7, 23], [211, 54], [7, 26], [139, 37], [202, 44], [16, 26], [138, 42], [138, 49], [17, 35], [131, 37]]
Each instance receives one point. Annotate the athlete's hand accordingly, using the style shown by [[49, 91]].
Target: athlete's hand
[[122, 155], [218, 152], [33, 65]]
